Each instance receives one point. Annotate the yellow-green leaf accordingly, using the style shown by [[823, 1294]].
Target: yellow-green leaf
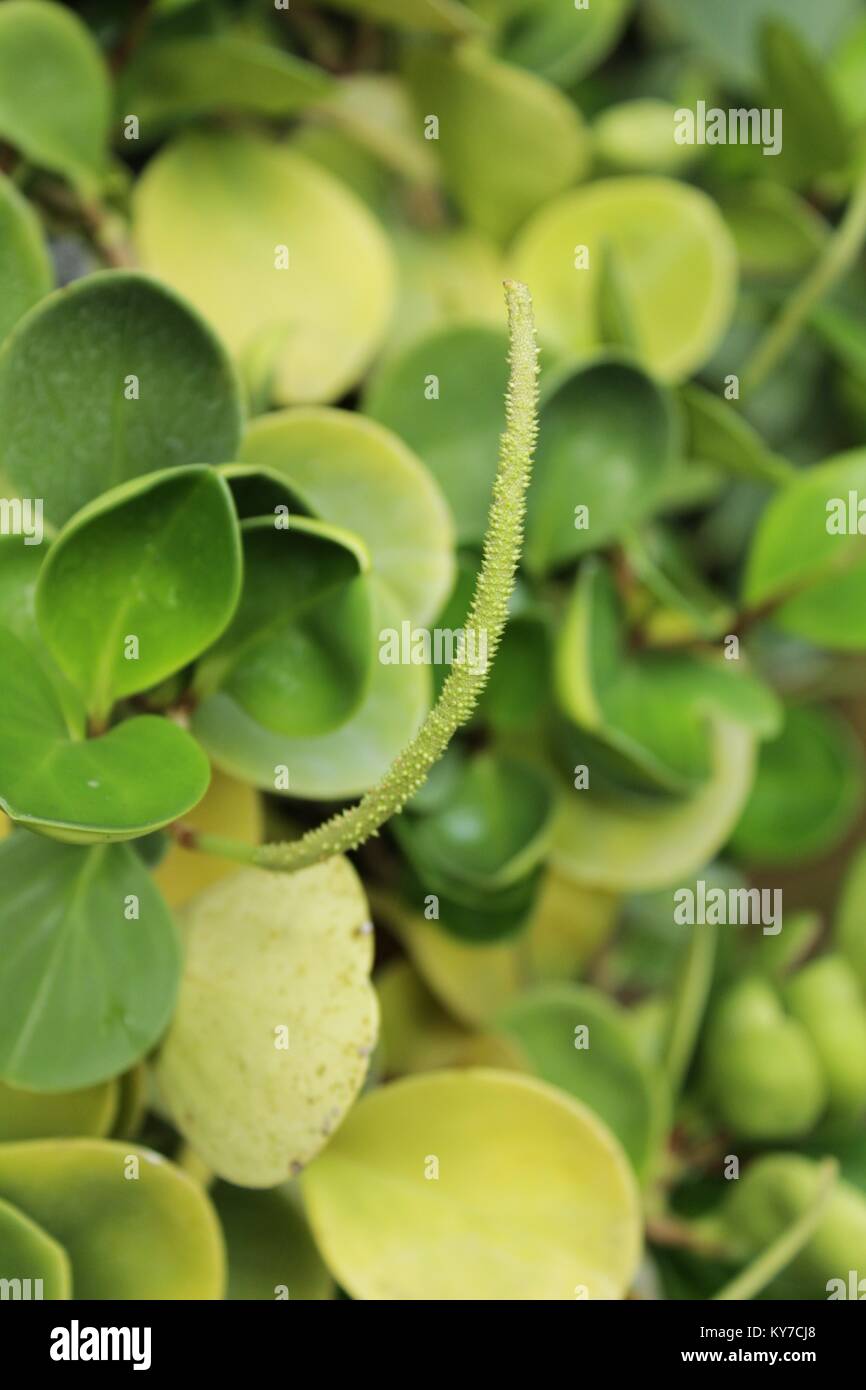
[[276, 1019], [410, 1201]]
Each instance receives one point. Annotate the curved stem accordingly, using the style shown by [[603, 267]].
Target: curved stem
[[782, 1251], [835, 261], [690, 999], [484, 627]]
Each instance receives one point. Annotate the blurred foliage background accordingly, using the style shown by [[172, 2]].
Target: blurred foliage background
[[339, 190]]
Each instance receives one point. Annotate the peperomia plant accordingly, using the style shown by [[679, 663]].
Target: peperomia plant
[[417, 881]]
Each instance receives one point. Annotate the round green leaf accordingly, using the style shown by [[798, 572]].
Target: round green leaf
[[271, 1252], [29, 1255], [137, 777], [157, 560], [602, 1067], [276, 986], [484, 108], [808, 789], [25, 270], [556, 1216], [825, 572], [675, 257], [297, 655], [490, 832], [65, 1114], [654, 708], [256, 237], [444, 396], [105, 380], [54, 91], [607, 442], [174, 80], [359, 476], [133, 1225], [628, 845], [88, 987], [332, 766]]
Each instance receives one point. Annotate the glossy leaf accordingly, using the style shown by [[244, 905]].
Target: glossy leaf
[[276, 986], [140, 775], [296, 656], [819, 584], [357, 475], [25, 270], [333, 766], [484, 106], [63, 1114], [133, 1225], [269, 267], [174, 80], [654, 708], [54, 91], [444, 397], [601, 1066], [631, 846], [490, 832], [558, 1209], [105, 380], [88, 986], [676, 258], [28, 1253], [156, 560], [808, 789], [608, 438], [271, 1252]]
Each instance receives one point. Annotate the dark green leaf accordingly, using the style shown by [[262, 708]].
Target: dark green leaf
[[444, 395], [808, 790], [133, 779], [140, 582], [106, 380], [88, 987], [298, 652], [608, 439]]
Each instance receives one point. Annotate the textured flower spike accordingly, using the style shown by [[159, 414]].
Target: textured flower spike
[[484, 626]]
